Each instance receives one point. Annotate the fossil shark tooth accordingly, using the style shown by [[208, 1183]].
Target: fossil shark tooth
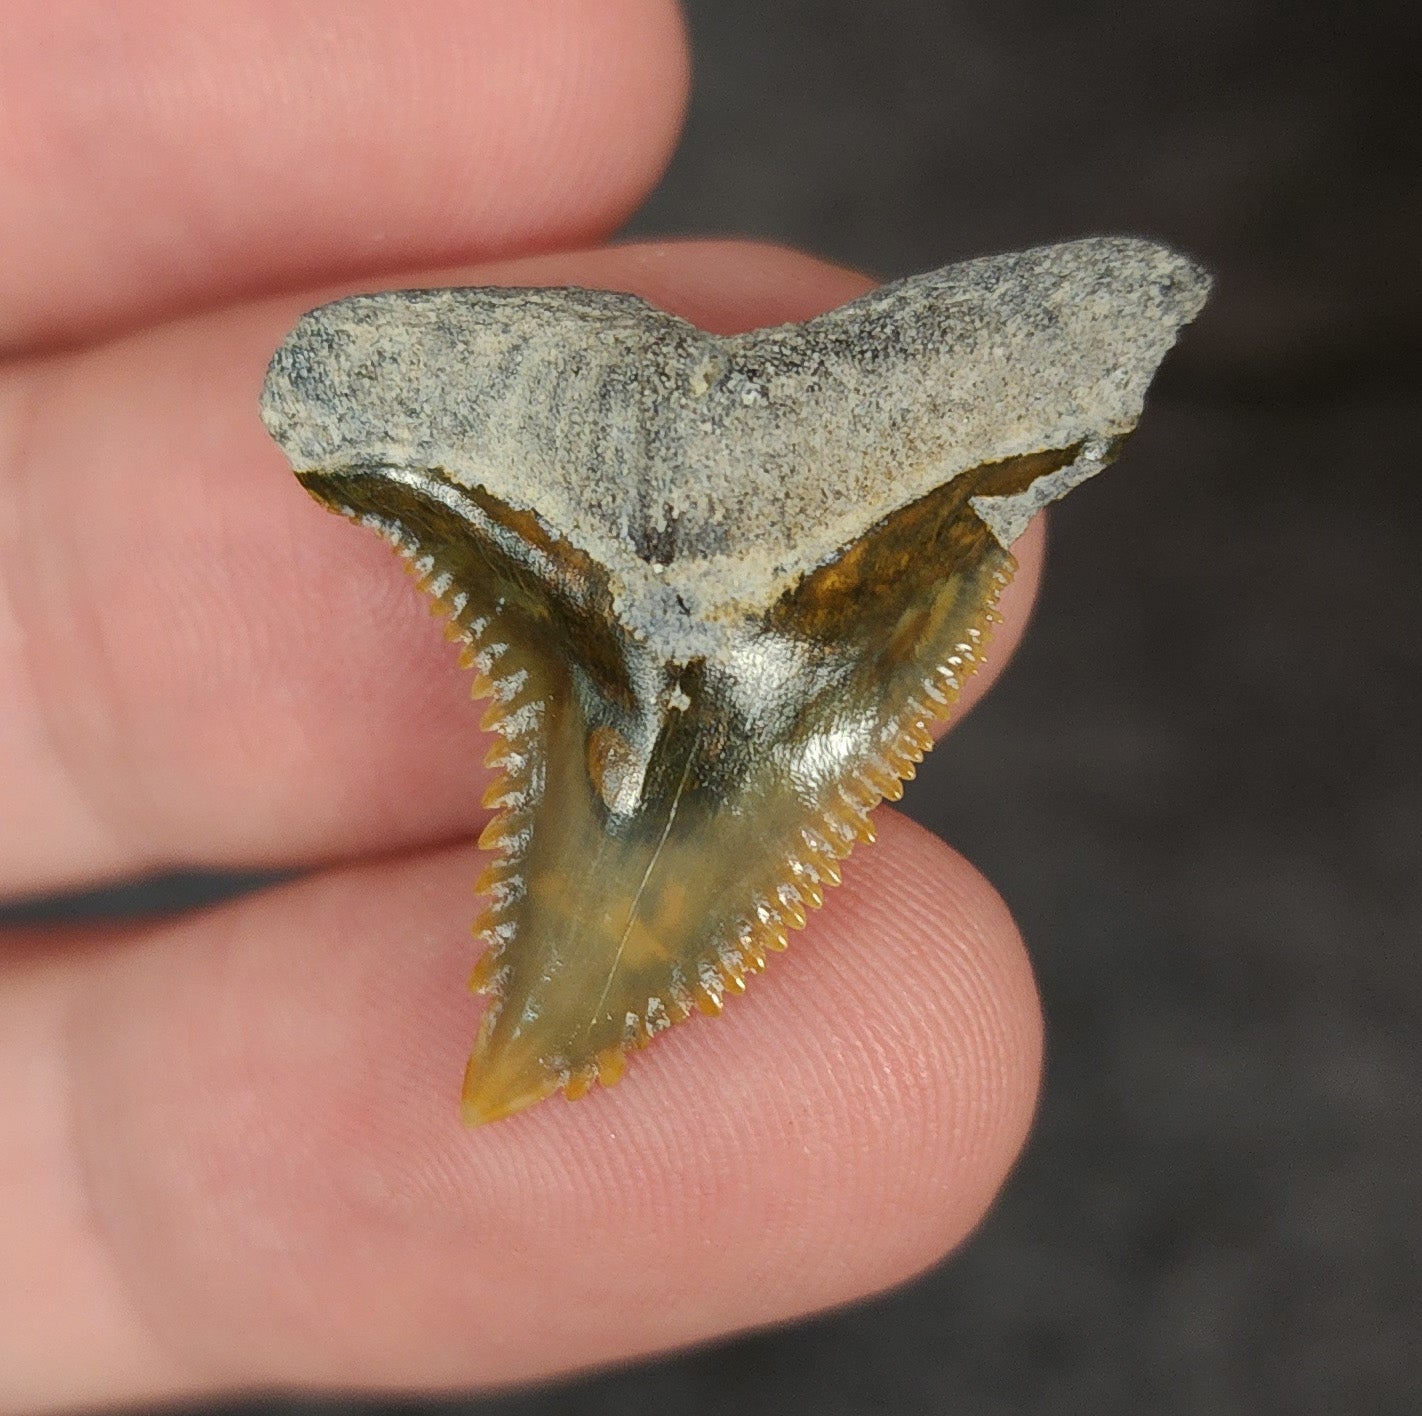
[[717, 591]]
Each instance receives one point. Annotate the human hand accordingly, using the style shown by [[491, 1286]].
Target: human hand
[[230, 1152]]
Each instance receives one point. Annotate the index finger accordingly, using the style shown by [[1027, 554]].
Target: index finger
[[158, 156]]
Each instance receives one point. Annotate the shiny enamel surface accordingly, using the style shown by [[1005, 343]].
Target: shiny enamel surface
[[698, 702]]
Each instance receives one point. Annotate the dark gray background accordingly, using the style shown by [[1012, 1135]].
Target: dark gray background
[[1198, 786]]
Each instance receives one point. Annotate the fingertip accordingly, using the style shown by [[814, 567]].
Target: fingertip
[[611, 124], [839, 1128], [929, 979]]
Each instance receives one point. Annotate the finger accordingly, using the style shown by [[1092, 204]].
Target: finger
[[265, 1133], [200, 666], [153, 159]]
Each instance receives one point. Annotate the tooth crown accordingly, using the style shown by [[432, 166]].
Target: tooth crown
[[716, 593]]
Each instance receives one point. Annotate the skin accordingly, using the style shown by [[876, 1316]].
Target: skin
[[230, 1149]]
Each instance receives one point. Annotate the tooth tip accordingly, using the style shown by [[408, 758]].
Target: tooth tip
[[491, 1094]]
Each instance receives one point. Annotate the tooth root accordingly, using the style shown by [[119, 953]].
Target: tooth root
[[488, 920]]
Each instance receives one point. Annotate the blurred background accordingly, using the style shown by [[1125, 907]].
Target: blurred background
[[1199, 786]]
